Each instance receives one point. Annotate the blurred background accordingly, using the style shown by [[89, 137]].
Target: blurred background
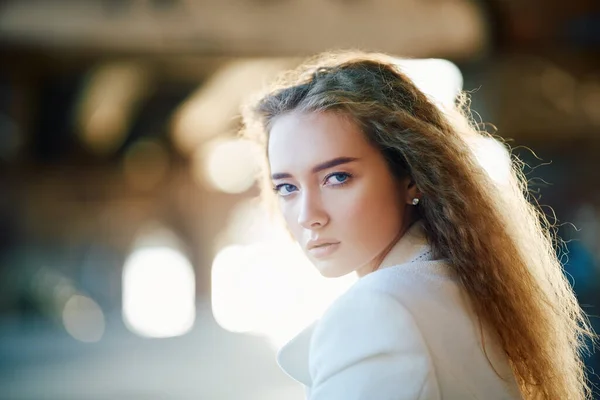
[[136, 261]]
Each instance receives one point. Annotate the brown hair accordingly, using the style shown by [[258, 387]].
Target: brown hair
[[499, 243]]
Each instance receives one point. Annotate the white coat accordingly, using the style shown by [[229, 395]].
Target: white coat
[[405, 332]]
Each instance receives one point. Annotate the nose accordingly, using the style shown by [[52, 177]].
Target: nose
[[312, 214]]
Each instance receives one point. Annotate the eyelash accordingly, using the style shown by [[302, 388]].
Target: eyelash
[[348, 176]]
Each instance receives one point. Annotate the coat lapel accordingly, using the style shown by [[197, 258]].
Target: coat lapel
[[293, 356]]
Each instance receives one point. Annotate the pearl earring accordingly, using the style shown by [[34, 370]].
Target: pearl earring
[[415, 201]]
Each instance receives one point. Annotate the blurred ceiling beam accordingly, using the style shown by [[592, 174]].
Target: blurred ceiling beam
[[444, 28]]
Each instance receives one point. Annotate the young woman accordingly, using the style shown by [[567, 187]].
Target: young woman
[[460, 293]]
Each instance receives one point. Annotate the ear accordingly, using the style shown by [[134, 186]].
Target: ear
[[412, 192]]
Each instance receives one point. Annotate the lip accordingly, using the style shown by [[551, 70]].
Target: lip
[[311, 244], [322, 248]]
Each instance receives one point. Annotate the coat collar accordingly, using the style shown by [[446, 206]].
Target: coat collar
[[412, 245], [293, 356]]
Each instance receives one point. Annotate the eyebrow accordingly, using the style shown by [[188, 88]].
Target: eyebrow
[[319, 167]]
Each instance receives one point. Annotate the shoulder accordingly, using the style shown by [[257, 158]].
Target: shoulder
[[368, 319], [368, 342], [382, 301]]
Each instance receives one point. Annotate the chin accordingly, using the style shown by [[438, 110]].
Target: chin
[[331, 269]]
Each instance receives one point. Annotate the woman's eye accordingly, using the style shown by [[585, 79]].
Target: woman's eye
[[339, 178], [285, 189]]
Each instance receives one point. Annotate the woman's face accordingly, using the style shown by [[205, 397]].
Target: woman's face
[[337, 195]]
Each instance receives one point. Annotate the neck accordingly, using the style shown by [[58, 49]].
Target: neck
[[401, 250]]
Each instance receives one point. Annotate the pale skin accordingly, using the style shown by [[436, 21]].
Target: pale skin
[[336, 192]]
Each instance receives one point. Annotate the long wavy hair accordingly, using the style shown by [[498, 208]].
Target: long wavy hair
[[497, 240]]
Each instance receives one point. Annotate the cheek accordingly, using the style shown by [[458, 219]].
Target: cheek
[[373, 216]]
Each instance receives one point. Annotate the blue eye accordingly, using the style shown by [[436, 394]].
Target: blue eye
[[285, 189], [338, 178]]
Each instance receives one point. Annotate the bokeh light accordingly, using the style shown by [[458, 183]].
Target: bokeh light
[[228, 165], [104, 113], [440, 79], [83, 318], [493, 156], [158, 292], [250, 222]]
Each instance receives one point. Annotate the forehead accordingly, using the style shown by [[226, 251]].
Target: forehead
[[300, 141]]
